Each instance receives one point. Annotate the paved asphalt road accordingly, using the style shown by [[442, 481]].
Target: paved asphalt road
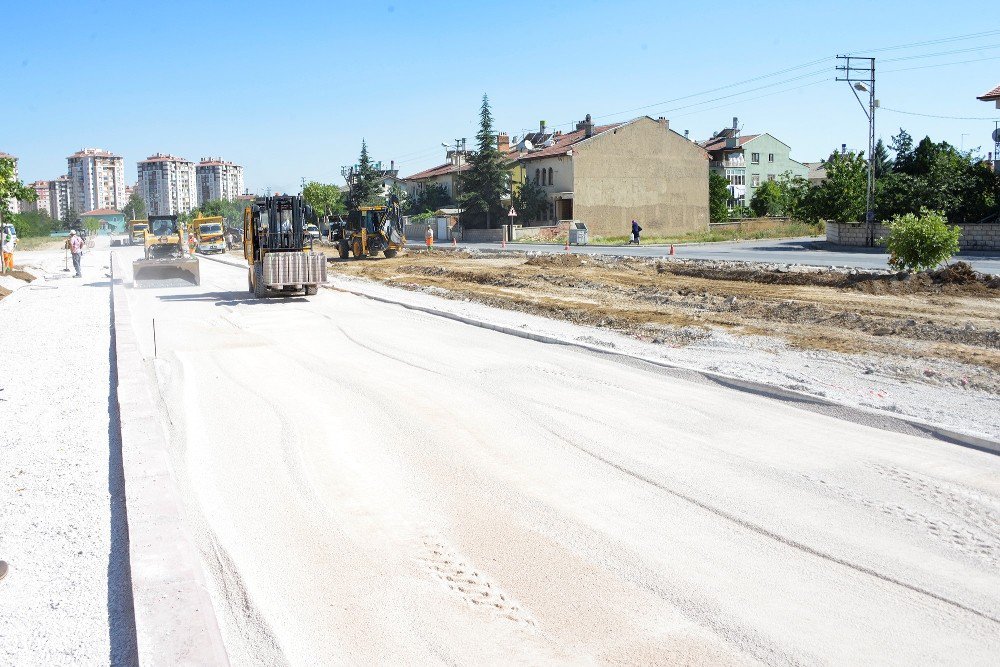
[[372, 484], [804, 250]]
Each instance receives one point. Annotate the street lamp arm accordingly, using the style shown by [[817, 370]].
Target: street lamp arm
[[860, 102]]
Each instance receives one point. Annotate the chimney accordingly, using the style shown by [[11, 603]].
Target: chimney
[[503, 142], [541, 127], [664, 122], [686, 135], [736, 123], [392, 165], [588, 127], [843, 149]]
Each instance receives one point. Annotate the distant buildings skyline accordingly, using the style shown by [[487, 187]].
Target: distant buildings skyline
[[95, 180]]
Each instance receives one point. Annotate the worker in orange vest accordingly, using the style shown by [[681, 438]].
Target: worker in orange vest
[[429, 237]]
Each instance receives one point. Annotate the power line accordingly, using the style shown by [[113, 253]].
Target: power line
[[940, 53], [960, 62], [956, 38], [930, 115]]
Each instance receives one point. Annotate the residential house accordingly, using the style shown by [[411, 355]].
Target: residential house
[[111, 221], [994, 96], [608, 175], [748, 160], [446, 175], [817, 172]]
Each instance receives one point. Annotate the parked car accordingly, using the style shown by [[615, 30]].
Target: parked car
[[311, 231]]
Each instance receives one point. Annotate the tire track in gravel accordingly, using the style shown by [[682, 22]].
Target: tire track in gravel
[[764, 532]]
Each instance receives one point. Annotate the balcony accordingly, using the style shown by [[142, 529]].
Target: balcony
[[731, 163]]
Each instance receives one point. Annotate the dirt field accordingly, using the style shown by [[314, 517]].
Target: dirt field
[[952, 315]]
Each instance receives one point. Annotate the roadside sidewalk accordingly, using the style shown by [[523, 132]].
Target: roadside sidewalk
[[62, 526]]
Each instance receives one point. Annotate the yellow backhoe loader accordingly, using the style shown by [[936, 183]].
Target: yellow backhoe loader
[[167, 261]]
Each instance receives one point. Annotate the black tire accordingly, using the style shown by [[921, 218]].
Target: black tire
[[391, 253], [311, 290], [343, 249], [259, 290]]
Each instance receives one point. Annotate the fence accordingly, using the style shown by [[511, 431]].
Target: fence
[[982, 236]]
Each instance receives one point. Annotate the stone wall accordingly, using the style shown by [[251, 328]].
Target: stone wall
[[974, 237], [484, 235]]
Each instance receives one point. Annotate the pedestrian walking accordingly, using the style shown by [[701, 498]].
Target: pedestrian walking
[[8, 252], [429, 237], [635, 233], [229, 240], [76, 249]]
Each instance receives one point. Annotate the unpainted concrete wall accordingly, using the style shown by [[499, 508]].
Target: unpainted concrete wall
[[641, 171]]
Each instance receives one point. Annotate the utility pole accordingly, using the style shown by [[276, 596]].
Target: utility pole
[[861, 73]]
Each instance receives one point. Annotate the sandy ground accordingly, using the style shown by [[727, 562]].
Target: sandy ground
[[373, 484], [61, 524], [925, 351]]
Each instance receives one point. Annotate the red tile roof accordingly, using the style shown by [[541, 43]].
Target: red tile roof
[[720, 142], [439, 170], [94, 152], [103, 211], [160, 157], [991, 96], [560, 144]]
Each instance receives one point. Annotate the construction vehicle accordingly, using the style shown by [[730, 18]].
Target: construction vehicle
[[279, 253], [209, 234], [167, 260], [136, 231], [369, 229]]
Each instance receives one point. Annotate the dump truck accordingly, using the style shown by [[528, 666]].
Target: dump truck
[[167, 260], [136, 231], [209, 234], [279, 253]]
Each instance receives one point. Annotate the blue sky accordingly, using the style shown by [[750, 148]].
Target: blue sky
[[289, 89]]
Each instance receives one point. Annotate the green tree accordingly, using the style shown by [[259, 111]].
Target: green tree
[[365, 181], [34, 223], [428, 199], [11, 188], [231, 211], [718, 197], [325, 198], [921, 242], [883, 161], [530, 200], [795, 200], [842, 196], [767, 200], [484, 183], [92, 225], [135, 209]]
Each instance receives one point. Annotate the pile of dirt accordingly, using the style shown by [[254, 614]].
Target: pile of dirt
[[21, 275], [556, 260], [4, 292]]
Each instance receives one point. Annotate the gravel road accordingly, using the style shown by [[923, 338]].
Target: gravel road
[[65, 600], [369, 483]]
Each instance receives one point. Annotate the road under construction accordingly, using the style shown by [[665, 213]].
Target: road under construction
[[365, 482]]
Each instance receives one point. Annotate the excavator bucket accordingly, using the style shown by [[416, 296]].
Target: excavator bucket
[[166, 272]]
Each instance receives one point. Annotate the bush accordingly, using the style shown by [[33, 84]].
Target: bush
[[918, 243]]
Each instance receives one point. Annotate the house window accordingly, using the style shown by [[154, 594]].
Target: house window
[[754, 180], [770, 157], [755, 158], [550, 175], [536, 177]]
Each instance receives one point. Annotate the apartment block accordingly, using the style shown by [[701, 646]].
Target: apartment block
[[218, 179], [167, 184], [59, 197], [41, 202], [96, 179]]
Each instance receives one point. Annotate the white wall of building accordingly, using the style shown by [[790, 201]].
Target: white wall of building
[[97, 180], [167, 185]]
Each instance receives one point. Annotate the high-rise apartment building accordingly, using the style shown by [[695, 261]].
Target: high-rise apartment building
[[41, 202], [97, 180], [218, 179], [11, 203], [59, 197], [167, 184]]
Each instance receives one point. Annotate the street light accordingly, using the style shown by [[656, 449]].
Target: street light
[[853, 75]]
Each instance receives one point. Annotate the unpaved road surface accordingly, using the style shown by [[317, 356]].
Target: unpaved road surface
[[369, 483]]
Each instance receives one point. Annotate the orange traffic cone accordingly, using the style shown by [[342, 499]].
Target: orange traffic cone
[[671, 248]]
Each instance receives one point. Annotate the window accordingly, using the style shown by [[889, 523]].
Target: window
[[754, 180], [550, 175], [770, 157], [536, 177], [770, 177], [755, 158], [543, 176]]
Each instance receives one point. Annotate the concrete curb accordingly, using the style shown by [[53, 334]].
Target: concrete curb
[[761, 389], [175, 621], [888, 419]]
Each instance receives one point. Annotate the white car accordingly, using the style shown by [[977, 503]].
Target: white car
[[311, 231]]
